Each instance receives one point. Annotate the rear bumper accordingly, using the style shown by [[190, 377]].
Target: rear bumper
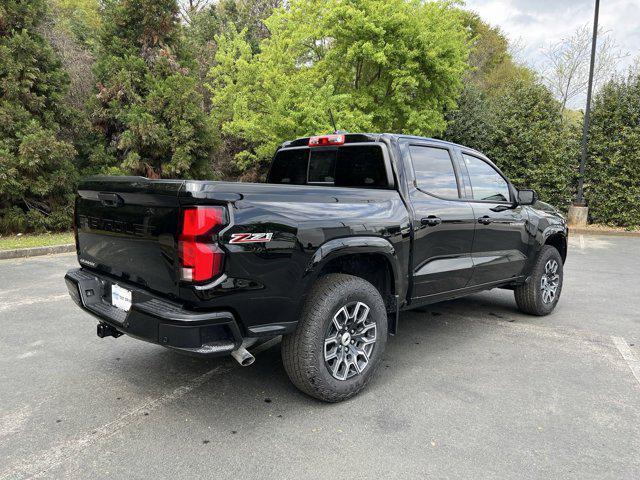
[[154, 319]]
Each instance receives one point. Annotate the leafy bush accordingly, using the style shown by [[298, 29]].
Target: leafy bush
[[532, 144]]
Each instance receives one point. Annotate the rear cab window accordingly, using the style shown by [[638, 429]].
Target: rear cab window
[[351, 165]]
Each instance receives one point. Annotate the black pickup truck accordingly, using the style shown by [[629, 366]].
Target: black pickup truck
[[348, 231]]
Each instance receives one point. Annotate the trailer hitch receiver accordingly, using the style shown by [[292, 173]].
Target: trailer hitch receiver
[[105, 330]]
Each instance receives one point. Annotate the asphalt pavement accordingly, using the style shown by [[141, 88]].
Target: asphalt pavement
[[469, 389]]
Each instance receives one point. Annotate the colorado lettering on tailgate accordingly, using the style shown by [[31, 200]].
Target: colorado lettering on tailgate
[[115, 226]]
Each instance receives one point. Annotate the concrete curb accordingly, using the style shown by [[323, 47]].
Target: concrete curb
[[615, 233], [36, 251]]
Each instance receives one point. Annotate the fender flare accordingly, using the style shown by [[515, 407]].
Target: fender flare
[[552, 230], [340, 247], [559, 231], [544, 234]]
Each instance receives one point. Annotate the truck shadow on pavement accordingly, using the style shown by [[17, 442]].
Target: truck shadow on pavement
[[424, 336]]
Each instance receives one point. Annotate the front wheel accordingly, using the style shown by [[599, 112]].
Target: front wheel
[[340, 339], [540, 295]]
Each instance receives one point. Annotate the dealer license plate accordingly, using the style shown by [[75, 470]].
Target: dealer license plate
[[120, 297]]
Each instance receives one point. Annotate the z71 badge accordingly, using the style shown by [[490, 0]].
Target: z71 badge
[[251, 237]]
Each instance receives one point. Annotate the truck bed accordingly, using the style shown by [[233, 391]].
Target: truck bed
[[128, 229]]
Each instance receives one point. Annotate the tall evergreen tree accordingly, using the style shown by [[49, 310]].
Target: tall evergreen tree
[[37, 174], [612, 186], [148, 107]]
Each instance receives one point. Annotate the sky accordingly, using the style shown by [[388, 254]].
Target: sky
[[534, 24]]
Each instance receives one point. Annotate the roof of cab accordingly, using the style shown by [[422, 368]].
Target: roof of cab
[[429, 139], [373, 137]]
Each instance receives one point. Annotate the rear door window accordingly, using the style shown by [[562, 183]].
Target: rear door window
[[433, 169], [360, 166]]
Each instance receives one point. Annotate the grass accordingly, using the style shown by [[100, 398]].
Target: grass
[[10, 242]]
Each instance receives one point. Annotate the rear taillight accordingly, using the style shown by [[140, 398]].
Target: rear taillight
[[200, 258], [326, 140]]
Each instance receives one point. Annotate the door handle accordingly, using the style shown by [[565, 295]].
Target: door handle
[[486, 220], [431, 221]]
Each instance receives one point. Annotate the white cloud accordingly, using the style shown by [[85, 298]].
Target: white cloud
[[538, 23]]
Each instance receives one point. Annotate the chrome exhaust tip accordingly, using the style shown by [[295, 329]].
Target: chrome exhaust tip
[[243, 357]]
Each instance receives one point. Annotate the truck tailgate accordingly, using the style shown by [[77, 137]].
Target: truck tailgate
[[127, 226]]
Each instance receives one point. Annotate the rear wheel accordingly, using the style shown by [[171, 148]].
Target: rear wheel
[[540, 295], [340, 338]]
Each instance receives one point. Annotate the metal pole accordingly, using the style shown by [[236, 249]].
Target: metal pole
[[585, 127]]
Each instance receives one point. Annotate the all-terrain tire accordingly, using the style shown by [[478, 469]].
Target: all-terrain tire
[[303, 351], [529, 296]]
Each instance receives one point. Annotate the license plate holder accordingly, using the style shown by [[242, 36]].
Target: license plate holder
[[120, 297]]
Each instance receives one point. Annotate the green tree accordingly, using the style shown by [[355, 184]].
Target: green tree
[[205, 21], [491, 69], [378, 65], [37, 174], [490, 63], [148, 108], [239, 14], [612, 184]]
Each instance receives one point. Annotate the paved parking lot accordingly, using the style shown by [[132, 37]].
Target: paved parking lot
[[468, 389]]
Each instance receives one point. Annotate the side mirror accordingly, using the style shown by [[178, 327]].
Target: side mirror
[[527, 197]]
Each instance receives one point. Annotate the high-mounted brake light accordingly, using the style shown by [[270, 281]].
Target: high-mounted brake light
[[200, 258], [326, 140]]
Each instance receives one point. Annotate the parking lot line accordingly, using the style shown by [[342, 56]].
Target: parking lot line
[[39, 464], [627, 354]]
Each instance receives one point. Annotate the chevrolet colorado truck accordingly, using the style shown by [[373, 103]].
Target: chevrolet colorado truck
[[348, 231]]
